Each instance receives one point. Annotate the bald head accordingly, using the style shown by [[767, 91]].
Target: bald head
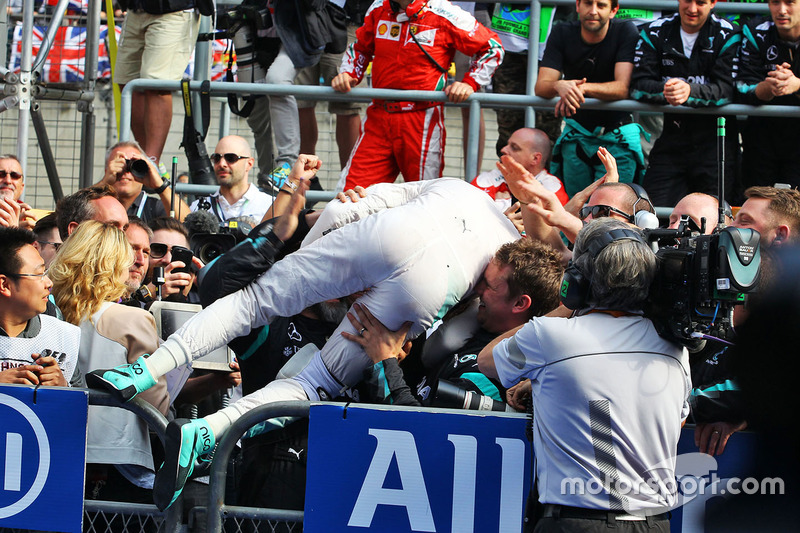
[[697, 206], [233, 144], [530, 148]]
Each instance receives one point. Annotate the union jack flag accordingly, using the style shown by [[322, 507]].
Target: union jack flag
[[66, 60]]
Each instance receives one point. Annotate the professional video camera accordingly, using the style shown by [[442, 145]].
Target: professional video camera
[[701, 278], [246, 23]]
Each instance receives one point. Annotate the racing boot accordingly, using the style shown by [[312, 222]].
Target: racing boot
[[185, 441], [123, 382]]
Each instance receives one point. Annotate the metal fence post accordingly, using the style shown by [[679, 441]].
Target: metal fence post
[[219, 468]]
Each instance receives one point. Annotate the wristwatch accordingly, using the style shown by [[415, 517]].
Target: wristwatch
[[165, 183], [292, 185]]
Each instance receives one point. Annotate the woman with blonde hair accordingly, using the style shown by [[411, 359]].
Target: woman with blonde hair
[[89, 274]]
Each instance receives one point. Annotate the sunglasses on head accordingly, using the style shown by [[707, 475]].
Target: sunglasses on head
[[599, 211], [14, 175], [229, 158]]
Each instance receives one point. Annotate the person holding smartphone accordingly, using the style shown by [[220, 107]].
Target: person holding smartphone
[[170, 250]]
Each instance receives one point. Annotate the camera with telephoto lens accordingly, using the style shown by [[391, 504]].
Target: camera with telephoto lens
[[247, 26], [137, 167], [700, 279], [452, 396], [209, 246]]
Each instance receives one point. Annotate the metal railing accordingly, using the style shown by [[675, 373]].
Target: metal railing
[[84, 94], [474, 102], [100, 515], [217, 511]]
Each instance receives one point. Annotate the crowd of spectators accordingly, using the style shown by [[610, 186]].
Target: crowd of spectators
[[478, 286]]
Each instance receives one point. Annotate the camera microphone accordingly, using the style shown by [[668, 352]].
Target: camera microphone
[[201, 221], [159, 280]]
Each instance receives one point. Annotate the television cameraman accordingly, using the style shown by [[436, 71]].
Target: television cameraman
[[609, 394]]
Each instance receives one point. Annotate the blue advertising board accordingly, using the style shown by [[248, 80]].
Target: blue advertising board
[[42, 457], [375, 470], [406, 470]]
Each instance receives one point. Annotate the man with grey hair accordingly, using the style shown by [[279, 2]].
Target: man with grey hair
[[139, 236], [148, 196], [610, 394], [12, 183]]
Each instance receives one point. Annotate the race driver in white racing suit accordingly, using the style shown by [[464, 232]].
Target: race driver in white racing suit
[[416, 248]]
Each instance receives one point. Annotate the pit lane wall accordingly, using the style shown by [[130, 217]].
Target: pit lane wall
[[370, 468], [404, 469]]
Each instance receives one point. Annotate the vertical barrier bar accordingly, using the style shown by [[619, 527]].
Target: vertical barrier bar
[[125, 108], [25, 85], [533, 58], [3, 33], [473, 139], [202, 70], [89, 80], [224, 119]]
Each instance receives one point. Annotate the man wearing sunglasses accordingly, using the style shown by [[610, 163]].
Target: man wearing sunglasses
[[544, 216], [237, 197], [169, 234], [12, 183], [35, 349]]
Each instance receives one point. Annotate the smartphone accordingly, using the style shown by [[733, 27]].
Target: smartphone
[[179, 253]]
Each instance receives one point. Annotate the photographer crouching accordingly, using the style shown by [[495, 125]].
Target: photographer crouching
[[609, 394]]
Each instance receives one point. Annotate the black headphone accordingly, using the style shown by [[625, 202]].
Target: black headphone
[[575, 285]]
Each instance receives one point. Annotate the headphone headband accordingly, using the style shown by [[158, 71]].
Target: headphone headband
[[576, 286]]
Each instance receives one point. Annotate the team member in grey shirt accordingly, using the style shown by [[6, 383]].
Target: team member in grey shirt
[[609, 394]]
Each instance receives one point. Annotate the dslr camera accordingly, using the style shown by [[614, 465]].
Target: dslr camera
[[137, 167]]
